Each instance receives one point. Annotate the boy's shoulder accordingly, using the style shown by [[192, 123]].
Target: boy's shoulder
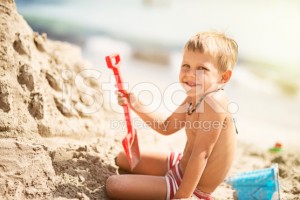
[[216, 103]]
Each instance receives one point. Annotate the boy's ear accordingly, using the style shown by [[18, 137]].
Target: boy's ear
[[226, 76]]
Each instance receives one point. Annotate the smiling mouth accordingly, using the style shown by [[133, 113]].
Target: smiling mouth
[[191, 84]]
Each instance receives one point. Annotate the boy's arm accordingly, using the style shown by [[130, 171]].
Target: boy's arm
[[163, 126], [203, 145]]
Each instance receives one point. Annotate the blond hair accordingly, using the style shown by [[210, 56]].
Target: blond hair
[[223, 49]]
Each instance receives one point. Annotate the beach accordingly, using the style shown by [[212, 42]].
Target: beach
[[61, 127]]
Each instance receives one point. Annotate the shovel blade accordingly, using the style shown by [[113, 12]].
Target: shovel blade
[[131, 147], [113, 61]]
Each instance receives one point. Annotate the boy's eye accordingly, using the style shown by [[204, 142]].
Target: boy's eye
[[201, 68], [185, 67]]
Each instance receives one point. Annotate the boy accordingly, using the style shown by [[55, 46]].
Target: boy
[[207, 64]]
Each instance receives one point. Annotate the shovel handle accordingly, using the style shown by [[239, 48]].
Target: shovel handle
[[113, 63]]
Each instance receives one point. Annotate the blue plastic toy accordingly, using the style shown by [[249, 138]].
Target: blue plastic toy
[[257, 185]]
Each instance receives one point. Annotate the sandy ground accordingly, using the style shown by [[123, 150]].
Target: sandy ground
[[53, 147], [64, 168]]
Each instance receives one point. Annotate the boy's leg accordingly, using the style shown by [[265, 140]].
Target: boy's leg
[[136, 187], [151, 163]]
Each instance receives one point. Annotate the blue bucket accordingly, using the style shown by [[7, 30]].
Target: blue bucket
[[256, 185]]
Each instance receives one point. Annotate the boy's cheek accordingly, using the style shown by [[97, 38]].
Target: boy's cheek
[[185, 87]]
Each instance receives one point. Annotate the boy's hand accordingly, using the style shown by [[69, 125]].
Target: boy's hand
[[126, 98]]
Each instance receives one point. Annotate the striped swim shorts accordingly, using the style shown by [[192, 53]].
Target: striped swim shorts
[[174, 177]]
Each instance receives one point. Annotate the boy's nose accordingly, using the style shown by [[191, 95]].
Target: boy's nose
[[191, 73]]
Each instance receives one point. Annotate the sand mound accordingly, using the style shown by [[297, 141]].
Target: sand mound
[[45, 92], [27, 173], [43, 87], [29, 170]]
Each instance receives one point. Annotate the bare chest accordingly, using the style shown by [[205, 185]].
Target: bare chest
[[192, 124]]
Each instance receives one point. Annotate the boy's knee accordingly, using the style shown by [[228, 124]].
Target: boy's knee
[[112, 185], [120, 159]]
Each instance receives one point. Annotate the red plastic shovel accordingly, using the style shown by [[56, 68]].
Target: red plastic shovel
[[130, 142]]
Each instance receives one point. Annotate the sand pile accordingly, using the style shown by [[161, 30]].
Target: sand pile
[[42, 84], [27, 172], [35, 170], [44, 93]]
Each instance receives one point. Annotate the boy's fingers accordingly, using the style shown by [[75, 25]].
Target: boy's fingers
[[119, 94], [122, 101], [122, 104]]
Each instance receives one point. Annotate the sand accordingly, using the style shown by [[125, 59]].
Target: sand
[[53, 146]]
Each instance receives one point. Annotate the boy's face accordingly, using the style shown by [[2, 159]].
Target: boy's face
[[198, 73]]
